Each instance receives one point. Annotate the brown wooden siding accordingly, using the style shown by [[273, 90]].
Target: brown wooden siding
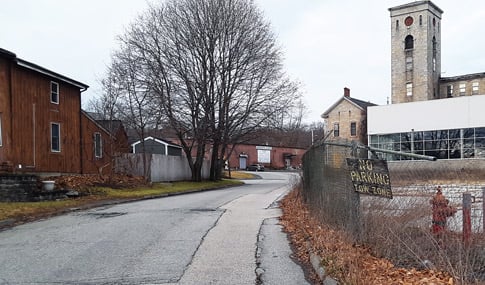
[[4, 109], [92, 164], [32, 115]]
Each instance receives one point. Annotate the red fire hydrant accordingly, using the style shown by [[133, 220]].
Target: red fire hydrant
[[441, 212]]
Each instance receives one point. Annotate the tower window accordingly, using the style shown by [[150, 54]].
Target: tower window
[[435, 48], [420, 20], [409, 42], [409, 63], [462, 89], [409, 89], [449, 90], [434, 53], [475, 88], [397, 24]]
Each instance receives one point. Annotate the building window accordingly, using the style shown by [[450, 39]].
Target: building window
[[449, 90], [55, 137], [475, 88], [435, 51], [409, 42], [409, 89], [462, 89], [98, 145], [353, 129], [54, 92], [397, 24], [420, 20], [409, 63], [442, 144], [336, 130]]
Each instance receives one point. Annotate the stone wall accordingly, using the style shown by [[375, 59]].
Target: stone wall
[[18, 187]]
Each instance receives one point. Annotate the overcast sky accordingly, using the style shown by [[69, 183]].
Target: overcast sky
[[328, 44]]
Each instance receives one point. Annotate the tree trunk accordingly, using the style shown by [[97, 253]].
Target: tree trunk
[[214, 162]]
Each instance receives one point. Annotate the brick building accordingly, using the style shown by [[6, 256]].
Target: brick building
[[272, 157]]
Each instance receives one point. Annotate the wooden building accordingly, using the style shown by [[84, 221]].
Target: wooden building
[[42, 126]]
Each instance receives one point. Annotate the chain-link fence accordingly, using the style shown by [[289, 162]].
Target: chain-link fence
[[417, 227]]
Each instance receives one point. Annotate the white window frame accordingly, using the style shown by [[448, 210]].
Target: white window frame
[[58, 138], [55, 92], [96, 154], [462, 89], [409, 89], [475, 88]]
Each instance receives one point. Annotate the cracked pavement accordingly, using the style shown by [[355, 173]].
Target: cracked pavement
[[228, 236]]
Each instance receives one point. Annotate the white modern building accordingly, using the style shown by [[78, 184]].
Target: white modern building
[[446, 129]]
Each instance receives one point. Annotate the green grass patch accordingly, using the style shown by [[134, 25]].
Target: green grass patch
[[31, 210], [166, 188], [239, 175]]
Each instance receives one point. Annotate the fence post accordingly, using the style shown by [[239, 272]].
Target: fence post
[[483, 208], [467, 223]]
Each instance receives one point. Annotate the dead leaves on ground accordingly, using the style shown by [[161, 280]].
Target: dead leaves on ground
[[80, 182], [349, 263]]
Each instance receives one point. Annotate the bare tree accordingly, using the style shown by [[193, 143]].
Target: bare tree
[[214, 69]]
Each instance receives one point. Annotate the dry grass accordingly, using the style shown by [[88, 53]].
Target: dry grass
[[344, 260], [238, 175]]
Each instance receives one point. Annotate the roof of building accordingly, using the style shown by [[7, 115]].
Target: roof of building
[[416, 3], [32, 66], [356, 102], [111, 125], [101, 127], [159, 140], [470, 76]]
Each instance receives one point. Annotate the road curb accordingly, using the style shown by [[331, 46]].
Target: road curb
[[316, 262]]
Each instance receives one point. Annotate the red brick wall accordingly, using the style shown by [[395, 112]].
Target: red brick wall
[[277, 156]]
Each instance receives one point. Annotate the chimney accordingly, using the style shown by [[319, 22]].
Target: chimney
[[346, 92]]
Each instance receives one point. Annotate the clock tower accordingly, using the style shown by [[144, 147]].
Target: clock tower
[[415, 51]]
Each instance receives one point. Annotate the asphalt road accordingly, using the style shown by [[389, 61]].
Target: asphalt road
[[228, 236]]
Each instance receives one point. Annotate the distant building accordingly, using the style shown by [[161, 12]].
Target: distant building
[[347, 118], [155, 145], [430, 114], [272, 157]]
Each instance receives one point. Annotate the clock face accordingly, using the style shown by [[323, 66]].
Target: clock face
[[408, 21]]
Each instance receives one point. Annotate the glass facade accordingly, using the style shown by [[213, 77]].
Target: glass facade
[[442, 144]]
